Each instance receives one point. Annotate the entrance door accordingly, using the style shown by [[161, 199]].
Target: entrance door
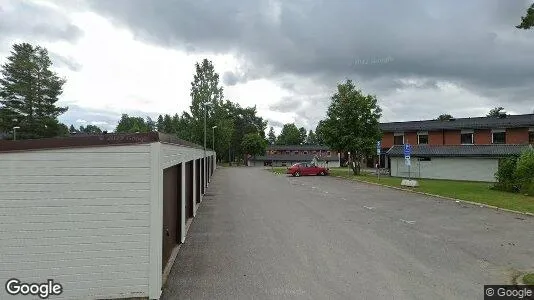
[[171, 211]]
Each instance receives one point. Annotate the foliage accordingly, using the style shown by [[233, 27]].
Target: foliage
[[505, 175], [516, 174], [233, 121], [29, 91], [311, 139], [495, 112], [352, 123], [151, 125], [290, 135], [303, 134], [528, 279], [272, 136], [72, 129], [527, 21], [90, 129], [253, 144], [444, 117], [129, 124], [318, 133], [524, 172]]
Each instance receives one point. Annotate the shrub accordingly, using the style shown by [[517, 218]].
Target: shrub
[[524, 172], [505, 175]]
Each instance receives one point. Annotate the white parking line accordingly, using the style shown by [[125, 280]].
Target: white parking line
[[369, 207], [409, 222]]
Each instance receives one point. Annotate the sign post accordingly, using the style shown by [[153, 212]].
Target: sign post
[[407, 162], [378, 150]]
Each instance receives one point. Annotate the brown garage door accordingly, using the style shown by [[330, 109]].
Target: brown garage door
[[171, 210], [189, 190], [198, 180]]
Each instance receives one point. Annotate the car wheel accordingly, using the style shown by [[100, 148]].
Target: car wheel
[[297, 174], [322, 173]]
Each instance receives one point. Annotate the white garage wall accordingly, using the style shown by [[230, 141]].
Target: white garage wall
[[457, 168], [174, 154], [79, 216]]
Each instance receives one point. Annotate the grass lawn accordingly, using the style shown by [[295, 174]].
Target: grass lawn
[[479, 192], [529, 279]]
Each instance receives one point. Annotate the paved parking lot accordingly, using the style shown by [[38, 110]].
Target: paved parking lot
[[264, 236]]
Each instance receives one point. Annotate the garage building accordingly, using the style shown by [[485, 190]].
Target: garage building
[[454, 162], [101, 215]]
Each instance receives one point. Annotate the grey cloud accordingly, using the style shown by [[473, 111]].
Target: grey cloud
[[473, 44], [274, 123], [287, 104], [230, 78], [30, 20], [63, 61]]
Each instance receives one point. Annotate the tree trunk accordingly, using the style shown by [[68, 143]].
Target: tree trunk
[[355, 161]]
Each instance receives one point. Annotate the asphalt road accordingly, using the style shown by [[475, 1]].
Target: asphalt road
[[263, 236]]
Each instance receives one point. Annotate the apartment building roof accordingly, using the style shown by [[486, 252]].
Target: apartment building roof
[[297, 147], [460, 150], [505, 121], [286, 157]]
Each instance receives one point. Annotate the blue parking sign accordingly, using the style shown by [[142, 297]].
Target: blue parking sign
[[407, 150]]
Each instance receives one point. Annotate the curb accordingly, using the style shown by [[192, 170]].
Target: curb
[[443, 197]]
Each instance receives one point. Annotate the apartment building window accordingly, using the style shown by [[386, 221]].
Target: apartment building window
[[498, 136], [305, 152], [398, 138], [328, 153], [296, 152], [531, 136], [288, 152], [466, 137], [422, 137]]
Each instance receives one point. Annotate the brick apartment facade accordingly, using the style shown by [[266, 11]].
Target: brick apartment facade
[[457, 149], [511, 129]]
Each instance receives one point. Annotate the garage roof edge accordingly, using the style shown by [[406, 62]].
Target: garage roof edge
[[109, 139]]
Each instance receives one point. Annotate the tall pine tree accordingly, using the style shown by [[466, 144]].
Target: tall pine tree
[[29, 91], [272, 136], [205, 89]]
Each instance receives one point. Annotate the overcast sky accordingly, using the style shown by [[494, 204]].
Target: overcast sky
[[420, 58]]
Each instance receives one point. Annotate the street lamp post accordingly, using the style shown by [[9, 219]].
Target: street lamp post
[[205, 116], [15, 132], [213, 140]]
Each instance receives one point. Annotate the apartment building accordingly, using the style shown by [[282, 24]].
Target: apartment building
[[505, 129], [458, 148], [286, 155]]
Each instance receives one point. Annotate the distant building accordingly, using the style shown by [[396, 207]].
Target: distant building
[[462, 148], [287, 155]]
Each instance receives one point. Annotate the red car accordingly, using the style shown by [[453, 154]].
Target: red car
[[303, 169]]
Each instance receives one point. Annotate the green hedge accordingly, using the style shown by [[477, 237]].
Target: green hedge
[[516, 174]]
